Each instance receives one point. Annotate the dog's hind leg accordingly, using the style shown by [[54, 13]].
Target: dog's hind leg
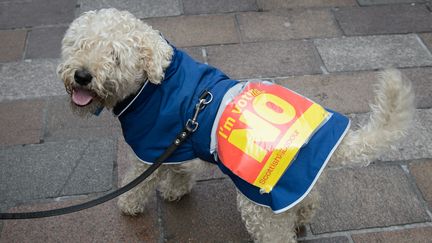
[[134, 201], [390, 117], [307, 207], [178, 180], [264, 225]]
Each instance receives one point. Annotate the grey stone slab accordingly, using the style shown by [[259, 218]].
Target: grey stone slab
[[94, 171], [45, 42], [197, 30], [389, 19], [375, 196], [373, 52], [285, 25], [266, 59], [103, 223], [195, 52], [15, 14], [421, 172], [21, 122], [63, 124], [30, 79], [422, 80], [378, 2], [41, 171], [353, 92], [419, 235], [210, 208], [221, 6], [339, 239], [12, 45], [3, 208], [278, 4], [427, 38], [125, 159], [140, 8], [416, 145]]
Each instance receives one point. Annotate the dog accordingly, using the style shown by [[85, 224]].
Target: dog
[[112, 60]]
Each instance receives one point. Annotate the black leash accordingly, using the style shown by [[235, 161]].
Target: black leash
[[189, 128]]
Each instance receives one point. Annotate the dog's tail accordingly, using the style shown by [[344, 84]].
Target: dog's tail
[[391, 115]]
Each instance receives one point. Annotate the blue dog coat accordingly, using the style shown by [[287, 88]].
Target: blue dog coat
[[151, 119]]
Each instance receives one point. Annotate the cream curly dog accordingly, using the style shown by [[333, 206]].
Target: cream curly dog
[[109, 55]]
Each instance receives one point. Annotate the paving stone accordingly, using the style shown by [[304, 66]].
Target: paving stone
[[375, 196], [15, 14], [224, 6], [421, 172], [103, 223], [387, 19], [43, 170], [12, 45], [125, 157], [353, 92], [30, 79], [372, 52], [3, 208], [427, 38], [140, 8], [197, 30], [45, 42], [209, 212], [418, 235], [421, 79], [94, 171], [378, 2], [21, 122], [267, 59], [278, 4], [195, 52], [417, 143], [285, 25], [63, 124], [339, 239]]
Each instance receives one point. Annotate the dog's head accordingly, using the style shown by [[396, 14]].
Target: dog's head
[[107, 55]]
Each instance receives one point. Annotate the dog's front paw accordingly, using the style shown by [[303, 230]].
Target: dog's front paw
[[130, 206], [174, 194]]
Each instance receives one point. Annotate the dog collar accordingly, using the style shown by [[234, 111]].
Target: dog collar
[[141, 96], [98, 111]]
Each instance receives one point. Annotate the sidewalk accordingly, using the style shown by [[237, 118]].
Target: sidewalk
[[328, 50]]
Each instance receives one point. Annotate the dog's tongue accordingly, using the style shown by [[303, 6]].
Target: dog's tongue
[[81, 96]]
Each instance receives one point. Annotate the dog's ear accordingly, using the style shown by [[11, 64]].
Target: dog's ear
[[155, 54]]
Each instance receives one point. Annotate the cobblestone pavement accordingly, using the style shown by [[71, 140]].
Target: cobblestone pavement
[[329, 50]]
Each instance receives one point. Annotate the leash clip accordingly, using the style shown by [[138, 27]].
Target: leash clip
[[204, 100]]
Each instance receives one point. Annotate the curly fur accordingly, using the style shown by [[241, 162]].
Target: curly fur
[[121, 52]]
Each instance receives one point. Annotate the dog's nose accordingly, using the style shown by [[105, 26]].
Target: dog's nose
[[82, 77]]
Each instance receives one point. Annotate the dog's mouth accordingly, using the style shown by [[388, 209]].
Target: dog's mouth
[[82, 97]]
